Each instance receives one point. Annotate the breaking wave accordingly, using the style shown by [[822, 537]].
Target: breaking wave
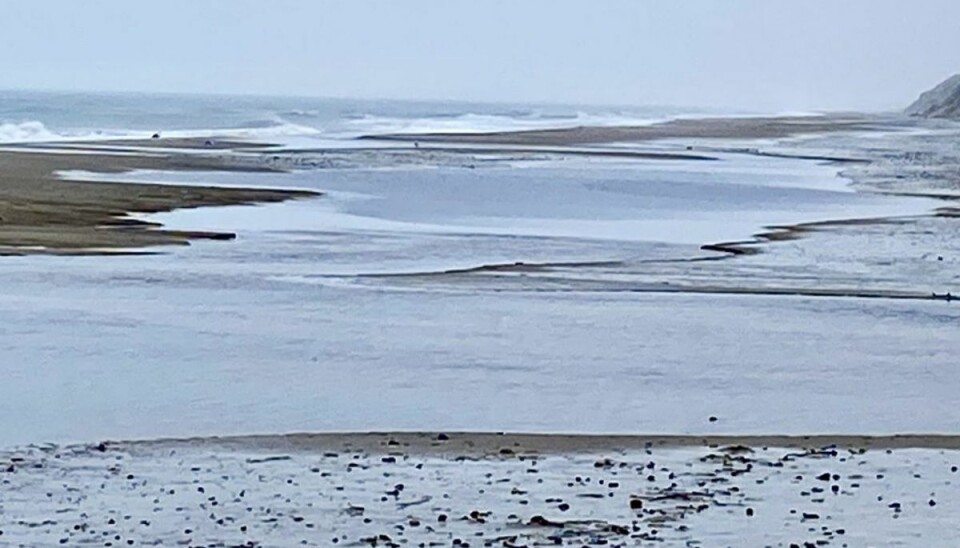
[[479, 123], [34, 131], [26, 132]]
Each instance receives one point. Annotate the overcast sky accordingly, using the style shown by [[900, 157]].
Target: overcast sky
[[746, 54]]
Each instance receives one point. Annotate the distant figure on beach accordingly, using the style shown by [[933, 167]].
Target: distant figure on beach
[[416, 144]]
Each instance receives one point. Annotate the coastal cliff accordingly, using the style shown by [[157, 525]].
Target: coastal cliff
[[942, 101]]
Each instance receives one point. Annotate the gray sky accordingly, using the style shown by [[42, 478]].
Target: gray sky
[[755, 54]]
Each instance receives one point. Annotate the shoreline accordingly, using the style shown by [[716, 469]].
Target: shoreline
[[388, 492], [770, 127], [508, 444], [43, 214]]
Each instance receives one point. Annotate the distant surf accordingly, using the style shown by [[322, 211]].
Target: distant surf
[[32, 117]]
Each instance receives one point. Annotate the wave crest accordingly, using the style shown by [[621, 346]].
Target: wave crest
[[31, 131]]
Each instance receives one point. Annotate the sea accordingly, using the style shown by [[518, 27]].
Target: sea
[[34, 116], [497, 290]]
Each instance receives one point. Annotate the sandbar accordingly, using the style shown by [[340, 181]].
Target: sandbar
[[43, 214]]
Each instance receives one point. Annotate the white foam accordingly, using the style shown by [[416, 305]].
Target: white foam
[[284, 132], [35, 131], [281, 129], [30, 131], [481, 123]]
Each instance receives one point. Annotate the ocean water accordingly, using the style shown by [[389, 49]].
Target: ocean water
[[341, 313], [30, 116]]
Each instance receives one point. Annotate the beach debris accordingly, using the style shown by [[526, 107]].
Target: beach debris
[[578, 499], [268, 459]]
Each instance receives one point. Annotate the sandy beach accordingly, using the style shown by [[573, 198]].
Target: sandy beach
[[697, 128], [439, 489], [480, 275], [42, 214], [714, 474]]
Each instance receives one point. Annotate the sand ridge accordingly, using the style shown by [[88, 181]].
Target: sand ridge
[[42, 214]]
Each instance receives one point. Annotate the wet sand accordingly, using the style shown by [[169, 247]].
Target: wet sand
[[704, 128], [40, 213], [479, 444], [388, 489], [484, 490]]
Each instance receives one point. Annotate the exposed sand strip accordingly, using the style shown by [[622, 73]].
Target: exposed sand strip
[[40, 213], [480, 444], [705, 128], [393, 490]]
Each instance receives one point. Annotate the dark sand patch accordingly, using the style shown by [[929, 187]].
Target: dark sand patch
[[200, 143], [784, 233], [524, 150], [479, 444], [704, 128], [41, 213]]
